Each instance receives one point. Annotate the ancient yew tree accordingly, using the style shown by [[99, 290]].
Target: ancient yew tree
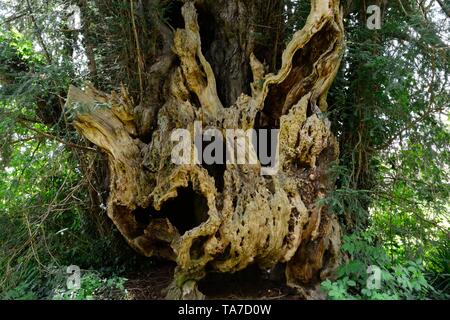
[[222, 218]]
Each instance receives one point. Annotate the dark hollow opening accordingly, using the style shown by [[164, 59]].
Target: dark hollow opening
[[173, 14], [297, 83], [249, 283], [197, 248], [218, 168], [185, 212]]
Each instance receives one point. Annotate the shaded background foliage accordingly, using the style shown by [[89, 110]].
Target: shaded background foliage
[[388, 108]]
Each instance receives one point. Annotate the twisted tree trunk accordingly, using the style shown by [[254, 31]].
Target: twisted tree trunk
[[222, 218]]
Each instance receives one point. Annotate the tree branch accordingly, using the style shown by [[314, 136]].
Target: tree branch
[[55, 138], [444, 8], [39, 33]]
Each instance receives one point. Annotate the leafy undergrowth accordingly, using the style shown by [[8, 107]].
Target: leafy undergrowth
[[54, 287], [93, 287], [357, 278]]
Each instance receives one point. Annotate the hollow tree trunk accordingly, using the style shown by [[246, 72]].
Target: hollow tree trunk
[[224, 218]]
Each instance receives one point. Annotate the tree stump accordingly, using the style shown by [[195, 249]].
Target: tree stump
[[222, 218]]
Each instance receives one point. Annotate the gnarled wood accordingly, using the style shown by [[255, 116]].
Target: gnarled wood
[[222, 219]]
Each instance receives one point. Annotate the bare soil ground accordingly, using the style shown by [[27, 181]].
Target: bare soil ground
[[250, 283]]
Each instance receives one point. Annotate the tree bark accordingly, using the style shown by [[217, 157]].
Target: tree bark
[[224, 218]]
